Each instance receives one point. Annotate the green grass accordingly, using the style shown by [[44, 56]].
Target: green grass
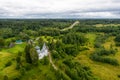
[[91, 37], [7, 55], [9, 70], [105, 25], [15, 49], [39, 73], [102, 70]]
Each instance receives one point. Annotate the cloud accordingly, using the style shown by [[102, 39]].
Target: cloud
[[59, 9]]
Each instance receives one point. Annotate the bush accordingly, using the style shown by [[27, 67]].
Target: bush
[[118, 75], [117, 43], [97, 45], [45, 61], [5, 77], [69, 63], [111, 61], [55, 54], [72, 50], [17, 66], [28, 66], [2, 42], [22, 71], [76, 71], [103, 51], [8, 64], [18, 60], [61, 76], [74, 38], [98, 58], [17, 79], [117, 39]]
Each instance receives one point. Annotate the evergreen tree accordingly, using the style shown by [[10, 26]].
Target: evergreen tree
[[5, 77], [33, 56], [2, 42], [27, 53]]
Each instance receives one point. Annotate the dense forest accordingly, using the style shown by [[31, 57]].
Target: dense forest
[[88, 51]]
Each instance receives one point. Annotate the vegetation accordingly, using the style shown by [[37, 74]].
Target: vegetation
[[89, 50]]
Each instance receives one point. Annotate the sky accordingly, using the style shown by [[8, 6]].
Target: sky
[[59, 9]]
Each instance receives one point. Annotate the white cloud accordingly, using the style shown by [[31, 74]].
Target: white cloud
[[59, 8]]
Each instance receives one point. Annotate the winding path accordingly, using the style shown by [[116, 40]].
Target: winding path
[[50, 58], [71, 26]]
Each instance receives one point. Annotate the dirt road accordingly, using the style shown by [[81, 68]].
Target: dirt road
[[70, 27], [50, 58]]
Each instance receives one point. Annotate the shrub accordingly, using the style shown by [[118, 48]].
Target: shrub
[[117, 43], [72, 50], [2, 42], [45, 61], [74, 38], [55, 54], [97, 45], [22, 71], [5, 77], [103, 51], [28, 66], [18, 60], [78, 72], [98, 58], [17, 66], [61, 76], [117, 39], [8, 64], [17, 78], [118, 75]]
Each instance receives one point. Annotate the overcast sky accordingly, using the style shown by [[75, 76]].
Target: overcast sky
[[59, 8]]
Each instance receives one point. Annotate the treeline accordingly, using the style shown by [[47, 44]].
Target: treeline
[[101, 54], [99, 21], [12, 28], [108, 29]]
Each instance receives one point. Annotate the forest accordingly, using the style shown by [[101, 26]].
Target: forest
[[90, 50]]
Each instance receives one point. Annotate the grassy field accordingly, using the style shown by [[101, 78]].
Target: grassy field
[[10, 71], [102, 70], [9, 56], [15, 49], [105, 25]]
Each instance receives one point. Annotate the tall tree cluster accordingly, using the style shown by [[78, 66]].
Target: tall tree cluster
[[31, 55]]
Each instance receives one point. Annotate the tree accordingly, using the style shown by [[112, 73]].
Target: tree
[[18, 60], [45, 61], [34, 56], [6, 32], [117, 39], [74, 38], [23, 36], [72, 50], [40, 41], [27, 53], [31, 54], [5, 77], [2, 42]]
